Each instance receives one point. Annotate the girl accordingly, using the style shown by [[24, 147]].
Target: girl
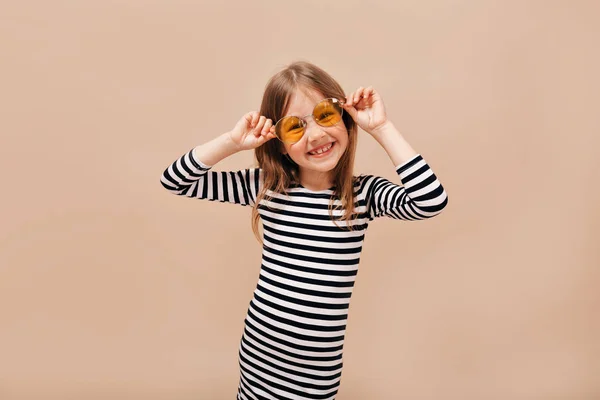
[[314, 214]]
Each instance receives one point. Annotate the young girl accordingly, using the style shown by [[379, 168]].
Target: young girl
[[314, 214]]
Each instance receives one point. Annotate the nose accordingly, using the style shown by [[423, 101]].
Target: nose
[[314, 132]]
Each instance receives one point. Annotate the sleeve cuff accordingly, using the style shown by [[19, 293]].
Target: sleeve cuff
[[407, 164], [198, 164]]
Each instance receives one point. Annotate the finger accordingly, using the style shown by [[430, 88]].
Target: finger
[[270, 135], [248, 117], [375, 96], [271, 130], [267, 127], [361, 104], [358, 94], [265, 138], [255, 117], [349, 105], [349, 99], [260, 124], [367, 100]]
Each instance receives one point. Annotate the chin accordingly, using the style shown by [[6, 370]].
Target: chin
[[322, 167]]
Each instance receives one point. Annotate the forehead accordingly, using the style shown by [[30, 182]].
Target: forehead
[[302, 101]]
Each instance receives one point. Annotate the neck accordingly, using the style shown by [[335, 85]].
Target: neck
[[314, 180]]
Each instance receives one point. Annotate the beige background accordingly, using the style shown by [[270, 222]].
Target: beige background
[[110, 287]]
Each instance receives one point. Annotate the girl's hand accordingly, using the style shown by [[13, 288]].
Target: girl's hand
[[366, 107], [251, 131]]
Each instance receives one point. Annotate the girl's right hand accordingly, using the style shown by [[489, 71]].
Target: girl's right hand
[[251, 131]]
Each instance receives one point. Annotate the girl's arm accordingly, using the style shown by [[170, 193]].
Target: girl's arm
[[421, 194], [394, 144], [215, 150], [190, 174]]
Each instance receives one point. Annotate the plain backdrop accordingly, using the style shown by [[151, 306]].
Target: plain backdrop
[[112, 288]]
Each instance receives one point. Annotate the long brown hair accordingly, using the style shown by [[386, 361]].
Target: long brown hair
[[279, 171]]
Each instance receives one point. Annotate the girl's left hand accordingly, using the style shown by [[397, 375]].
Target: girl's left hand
[[366, 107]]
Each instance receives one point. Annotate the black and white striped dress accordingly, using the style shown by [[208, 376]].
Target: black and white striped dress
[[294, 329]]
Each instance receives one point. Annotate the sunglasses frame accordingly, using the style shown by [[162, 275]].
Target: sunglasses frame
[[303, 119]]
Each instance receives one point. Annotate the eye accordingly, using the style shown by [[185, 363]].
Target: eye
[[327, 118]]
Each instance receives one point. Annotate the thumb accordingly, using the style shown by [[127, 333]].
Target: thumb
[[262, 139]]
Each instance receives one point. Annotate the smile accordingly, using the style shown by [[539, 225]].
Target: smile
[[322, 150]]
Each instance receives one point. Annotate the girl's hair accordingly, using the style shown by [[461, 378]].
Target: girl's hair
[[279, 171]]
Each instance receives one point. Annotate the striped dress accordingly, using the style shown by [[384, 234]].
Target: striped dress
[[294, 329]]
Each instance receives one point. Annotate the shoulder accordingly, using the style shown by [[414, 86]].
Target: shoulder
[[253, 171], [363, 182], [367, 184], [367, 179]]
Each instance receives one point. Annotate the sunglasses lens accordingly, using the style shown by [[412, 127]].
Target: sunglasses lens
[[289, 129], [328, 112]]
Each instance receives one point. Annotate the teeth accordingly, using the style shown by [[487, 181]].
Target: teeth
[[322, 149]]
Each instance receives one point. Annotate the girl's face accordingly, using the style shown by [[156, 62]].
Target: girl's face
[[315, 137]]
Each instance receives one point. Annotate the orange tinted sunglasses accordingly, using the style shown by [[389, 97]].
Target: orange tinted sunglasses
[[327, 112]]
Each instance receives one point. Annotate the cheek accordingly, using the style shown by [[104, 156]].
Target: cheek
[[298, 148], [294, 151], [297, 151], [288, 148], [342, 135]]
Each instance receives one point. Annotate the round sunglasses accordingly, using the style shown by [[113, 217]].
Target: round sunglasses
[[327, 112]]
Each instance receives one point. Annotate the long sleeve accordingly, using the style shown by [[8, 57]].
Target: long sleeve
[[421, 195], [188, 176]]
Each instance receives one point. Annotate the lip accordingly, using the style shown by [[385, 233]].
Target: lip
[[322, 154]]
